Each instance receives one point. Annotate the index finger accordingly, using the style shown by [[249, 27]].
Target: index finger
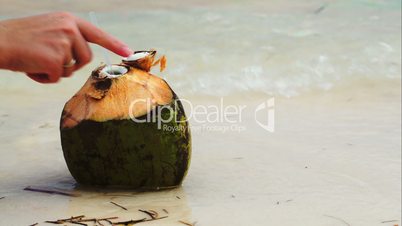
[[93, 34]]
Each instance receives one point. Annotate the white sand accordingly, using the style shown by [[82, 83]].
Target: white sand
[[334, 158]]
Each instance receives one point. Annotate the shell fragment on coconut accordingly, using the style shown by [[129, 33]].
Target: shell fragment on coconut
[[145, 60]]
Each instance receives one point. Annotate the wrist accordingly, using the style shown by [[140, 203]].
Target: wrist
[[4, 50]]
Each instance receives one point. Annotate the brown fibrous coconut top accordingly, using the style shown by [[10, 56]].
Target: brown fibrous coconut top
[[108, 97]]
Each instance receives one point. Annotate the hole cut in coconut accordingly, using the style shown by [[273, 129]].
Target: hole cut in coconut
[[138, 55], [112, 71]]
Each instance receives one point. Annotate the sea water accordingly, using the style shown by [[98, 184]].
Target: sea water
[[272, 48]]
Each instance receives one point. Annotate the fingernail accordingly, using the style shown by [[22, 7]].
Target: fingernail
[[126, 51]]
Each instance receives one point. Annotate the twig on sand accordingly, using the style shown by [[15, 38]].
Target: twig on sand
[[129, 222], [99, 222], [62, 221], [49, 191], [2, 197], [34, 224], [186, 223], [124, 208], [109, 221], [98, 219], [165, 210], [159, 218], [337, 218], [137, 221], [152, 213], [320, 9], [79, 220], [389, 221], [79, 223]]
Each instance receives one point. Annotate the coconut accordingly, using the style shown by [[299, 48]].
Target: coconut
[[126, 128]]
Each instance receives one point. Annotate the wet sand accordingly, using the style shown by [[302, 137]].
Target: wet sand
[[333, 155]]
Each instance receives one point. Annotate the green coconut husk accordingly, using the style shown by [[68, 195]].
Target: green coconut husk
[[104, 146]]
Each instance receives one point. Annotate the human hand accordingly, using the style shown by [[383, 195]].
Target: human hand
[[43, 46]]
